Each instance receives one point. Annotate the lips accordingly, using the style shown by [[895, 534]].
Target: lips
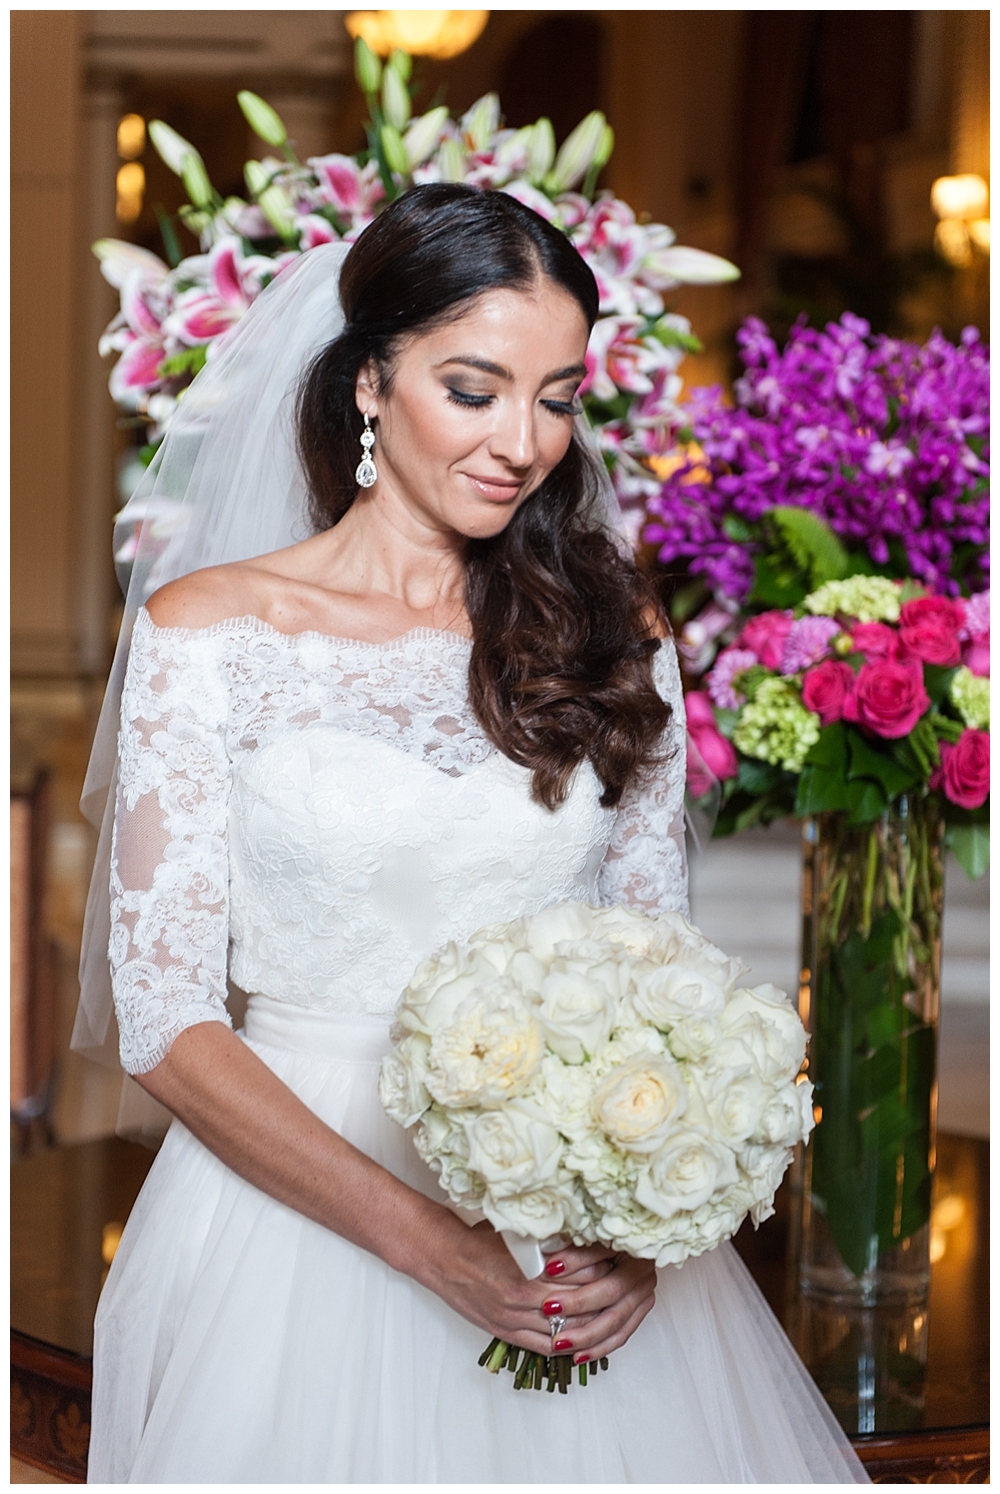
[[498, 490]]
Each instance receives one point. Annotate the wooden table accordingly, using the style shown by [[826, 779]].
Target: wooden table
[[922, 1416]]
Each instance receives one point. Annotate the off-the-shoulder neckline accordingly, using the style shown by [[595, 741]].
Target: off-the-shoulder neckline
[[253, 624]]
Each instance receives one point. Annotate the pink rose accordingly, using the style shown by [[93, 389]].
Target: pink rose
[[825, 689], [709, 755], [876, 641], [976, 653], [965, 769], [888, 698], [765, 636], [929, 628]]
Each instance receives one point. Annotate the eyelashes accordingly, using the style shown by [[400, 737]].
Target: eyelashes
[[480, 401]]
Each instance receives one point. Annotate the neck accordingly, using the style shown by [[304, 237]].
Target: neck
[[385, 549]]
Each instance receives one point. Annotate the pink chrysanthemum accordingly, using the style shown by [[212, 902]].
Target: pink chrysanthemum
[[807, 643], [719, 682]]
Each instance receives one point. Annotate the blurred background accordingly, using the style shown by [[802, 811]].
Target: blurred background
[[802, 145]]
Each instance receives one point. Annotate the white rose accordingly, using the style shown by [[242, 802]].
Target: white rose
[[635, 932], [537, 1213], [576, 1012], [765, 1166], [489, 1051], [640, 1103], [512, 1151], [693, 1037], [787, 1117], [439, 985], [685, 1173], [735, 1102], [783, 1034], [543, 931], [401, 1080], [671, 992]]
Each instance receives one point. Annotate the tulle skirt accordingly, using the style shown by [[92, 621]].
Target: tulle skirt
[[238, 1342]]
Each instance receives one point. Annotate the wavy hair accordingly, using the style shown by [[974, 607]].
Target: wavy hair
[[561, 662]]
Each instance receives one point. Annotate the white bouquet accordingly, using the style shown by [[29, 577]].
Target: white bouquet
[[599, 1074]]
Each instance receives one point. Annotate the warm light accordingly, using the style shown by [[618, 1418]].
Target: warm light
[[130, 184], [423, 33], [131, 136], [951, 240], [979, 233], [110, 1239], [963, 196], [949, 1212]]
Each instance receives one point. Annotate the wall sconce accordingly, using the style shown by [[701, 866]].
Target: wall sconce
[[961, 204], [131, 136], [421, 33]]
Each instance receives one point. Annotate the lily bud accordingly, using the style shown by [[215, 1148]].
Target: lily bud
[[119, 259], [395, 99], [172, 148], [261, 118], [367, 68], [423, 135], [256, 176], [196, 182], [690, 266], [451, 161], [542, 149], [482, 121], [577, 153], [402, 63], [276, 205], [394, 150], [607, 145]]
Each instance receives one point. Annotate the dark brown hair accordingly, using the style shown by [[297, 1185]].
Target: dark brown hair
[[561, 662]]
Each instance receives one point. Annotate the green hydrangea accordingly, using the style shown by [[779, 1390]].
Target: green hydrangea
[[970, 693], [776, 726], [868, 598]]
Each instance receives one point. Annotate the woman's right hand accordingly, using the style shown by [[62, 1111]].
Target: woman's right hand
[[602, 1295]]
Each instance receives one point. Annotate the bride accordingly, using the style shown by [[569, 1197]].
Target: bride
[[453, 703]]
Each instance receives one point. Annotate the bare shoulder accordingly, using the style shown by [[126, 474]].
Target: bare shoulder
[[213, 595]]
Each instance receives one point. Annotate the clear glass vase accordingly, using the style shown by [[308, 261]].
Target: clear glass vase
[[870, 997]]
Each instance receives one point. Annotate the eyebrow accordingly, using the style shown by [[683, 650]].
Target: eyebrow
[[574, 371]]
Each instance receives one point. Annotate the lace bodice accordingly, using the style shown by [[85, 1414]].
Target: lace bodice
[[311, 816]]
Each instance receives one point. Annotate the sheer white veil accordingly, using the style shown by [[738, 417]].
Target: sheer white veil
[[225, 485]]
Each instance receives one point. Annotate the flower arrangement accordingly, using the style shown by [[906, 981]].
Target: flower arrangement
[[885, 442], [174, 316], [601, 1074], [869, 689]]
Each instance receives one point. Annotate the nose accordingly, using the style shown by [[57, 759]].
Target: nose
[[514, 441]]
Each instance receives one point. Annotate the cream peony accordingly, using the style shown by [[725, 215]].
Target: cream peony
[[685, 1173], [641, 1102], [488, 1051], [512, 1150]]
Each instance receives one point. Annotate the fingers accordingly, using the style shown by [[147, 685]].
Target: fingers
[[561, 1264]]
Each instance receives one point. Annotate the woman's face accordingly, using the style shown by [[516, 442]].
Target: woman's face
[[479, 410]]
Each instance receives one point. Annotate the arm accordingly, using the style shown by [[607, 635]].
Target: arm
[[646, 863], [168, 950]]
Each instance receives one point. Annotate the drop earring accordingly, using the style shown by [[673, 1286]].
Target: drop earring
[[366, 473]]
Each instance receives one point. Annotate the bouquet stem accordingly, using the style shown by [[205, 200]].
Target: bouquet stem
[[533, 1369]]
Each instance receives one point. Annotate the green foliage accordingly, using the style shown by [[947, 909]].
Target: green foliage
[[971, 847], [799, 554], [190, 361]]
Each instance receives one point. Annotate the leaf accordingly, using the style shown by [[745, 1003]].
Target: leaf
[[812, 544], [755, 776], [869, 761], [971, 845], [830, 748], [820, 790], [937, 680], [776, 584], [866, 801]]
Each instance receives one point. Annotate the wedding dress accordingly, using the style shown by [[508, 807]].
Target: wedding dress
[[328, 812]]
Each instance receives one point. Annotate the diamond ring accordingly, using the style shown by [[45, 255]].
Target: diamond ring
[[556, 1326]]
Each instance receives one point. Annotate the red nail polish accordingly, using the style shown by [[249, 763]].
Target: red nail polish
[[581, 1358], [552, 1308], [562, 1344], [554, 1268]]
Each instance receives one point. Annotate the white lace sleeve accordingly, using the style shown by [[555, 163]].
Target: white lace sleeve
[[169, 858], [646, 863]]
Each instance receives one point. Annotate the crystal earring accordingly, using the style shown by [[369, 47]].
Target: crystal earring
[[366, 473]]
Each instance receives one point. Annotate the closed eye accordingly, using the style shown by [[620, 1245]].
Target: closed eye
[[563, 407], [469, 401]]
